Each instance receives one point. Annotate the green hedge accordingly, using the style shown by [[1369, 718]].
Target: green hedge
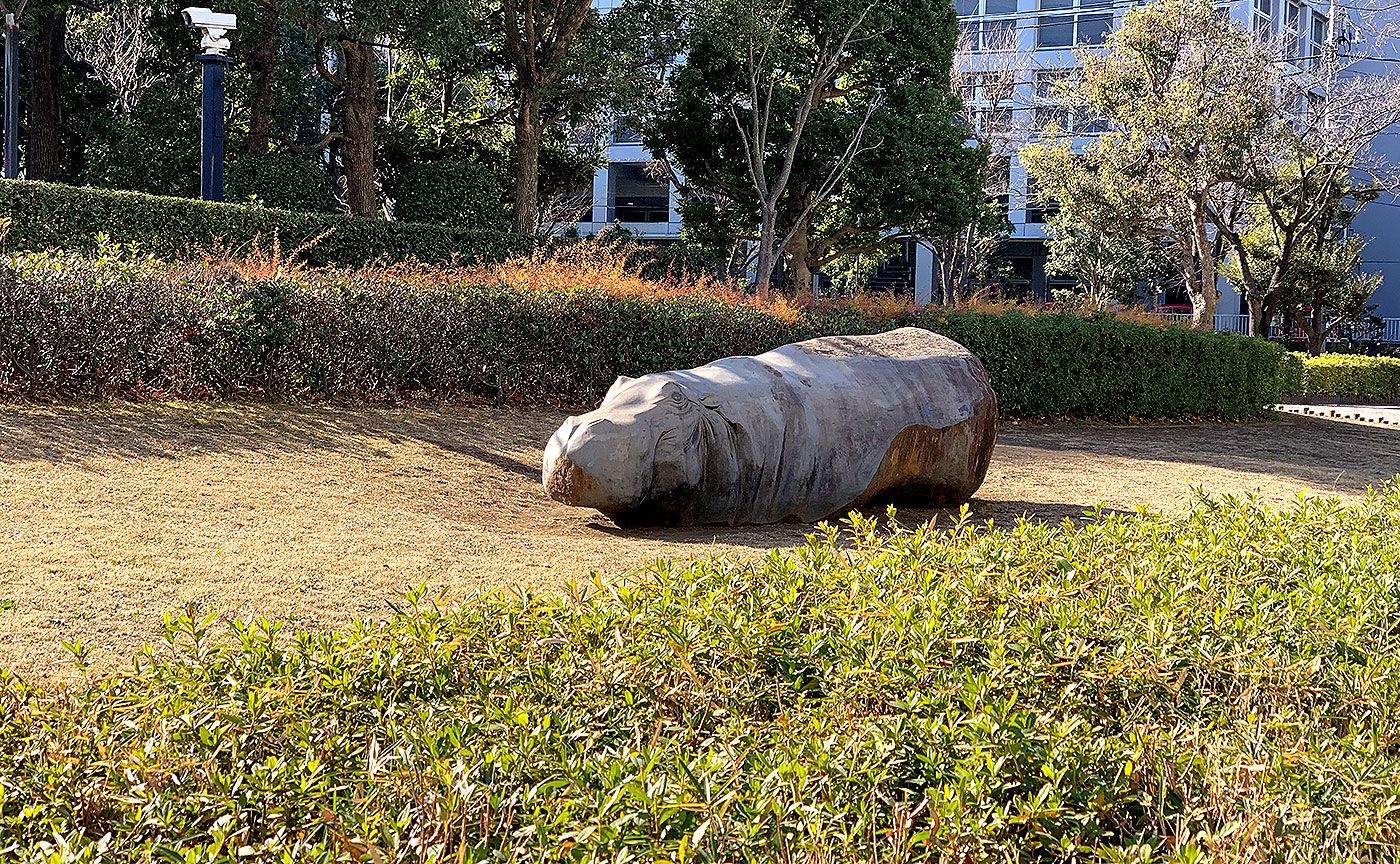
[[1063, 364], [53, 216], [1351, 376], [70, 327], [1218, 685]]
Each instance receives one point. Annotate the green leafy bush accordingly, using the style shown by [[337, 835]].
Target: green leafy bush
[[282, 180], [52, 216], [452, 193], [1139, 688], [72, 327], [1054, 365], [1351, 376]]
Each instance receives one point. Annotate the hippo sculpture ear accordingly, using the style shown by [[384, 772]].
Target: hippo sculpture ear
[[622, 381]]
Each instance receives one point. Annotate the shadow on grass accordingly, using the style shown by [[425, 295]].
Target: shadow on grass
[[74, 432], [1323, 454]]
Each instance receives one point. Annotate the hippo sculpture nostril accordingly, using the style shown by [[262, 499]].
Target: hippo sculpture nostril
[[807, 431]]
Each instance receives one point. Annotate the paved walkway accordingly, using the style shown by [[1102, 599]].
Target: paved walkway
[[1384, 415]]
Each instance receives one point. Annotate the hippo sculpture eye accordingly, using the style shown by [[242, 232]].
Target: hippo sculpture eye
[[808, 431]]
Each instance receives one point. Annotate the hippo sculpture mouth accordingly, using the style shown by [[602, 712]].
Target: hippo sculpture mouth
[[805, 432]]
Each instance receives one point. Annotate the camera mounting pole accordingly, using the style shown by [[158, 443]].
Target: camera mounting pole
[[214, 48], [11, 164]]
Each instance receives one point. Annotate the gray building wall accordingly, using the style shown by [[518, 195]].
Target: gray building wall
[[1380, 220]]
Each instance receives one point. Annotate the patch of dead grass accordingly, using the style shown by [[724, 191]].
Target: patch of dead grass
[[114, 515]]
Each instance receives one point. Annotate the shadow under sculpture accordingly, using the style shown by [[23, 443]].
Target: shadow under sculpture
[[806, 432]]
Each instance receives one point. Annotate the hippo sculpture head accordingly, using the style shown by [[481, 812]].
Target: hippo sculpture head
[[644, 445], [801, 433]]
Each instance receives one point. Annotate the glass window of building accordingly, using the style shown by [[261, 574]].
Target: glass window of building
[[1094, 22], [1264, 17], [636, 196], [1293, 29], [1050, 110], [1319, 39], [1075, 22], [989, 100], [987, 25], [1055, 31]]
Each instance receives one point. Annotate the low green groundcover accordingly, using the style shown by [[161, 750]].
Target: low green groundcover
[[1221, 685]]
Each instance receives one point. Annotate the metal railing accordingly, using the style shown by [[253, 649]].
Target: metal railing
[[1387, 331]]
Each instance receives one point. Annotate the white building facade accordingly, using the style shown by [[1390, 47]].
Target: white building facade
[[1044, 33]]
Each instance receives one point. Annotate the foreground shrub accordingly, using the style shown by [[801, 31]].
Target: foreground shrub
[[1352, 376], [71, 327], [52, 216], [1221, 685]]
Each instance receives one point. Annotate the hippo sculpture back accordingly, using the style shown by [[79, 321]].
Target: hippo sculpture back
[[804, 432]]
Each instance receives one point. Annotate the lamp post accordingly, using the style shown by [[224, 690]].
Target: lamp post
[[214, 48], [11, 167]]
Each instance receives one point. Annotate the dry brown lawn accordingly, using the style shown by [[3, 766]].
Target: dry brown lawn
[[115, 515]]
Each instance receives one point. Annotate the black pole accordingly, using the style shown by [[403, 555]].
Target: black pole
[[11, 98], [211, 169]]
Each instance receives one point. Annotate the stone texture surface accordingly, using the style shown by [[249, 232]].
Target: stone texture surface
[[805, 432]]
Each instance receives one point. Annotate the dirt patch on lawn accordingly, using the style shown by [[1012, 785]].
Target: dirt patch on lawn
[[114, 515]]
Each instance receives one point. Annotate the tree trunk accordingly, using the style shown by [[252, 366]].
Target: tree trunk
[[1205, 296], [45, 101], [1261, 316], [1317, 333], [361, 111], [767, 253], [527, 158], [263, 62], [797, 264], [1314, 328]]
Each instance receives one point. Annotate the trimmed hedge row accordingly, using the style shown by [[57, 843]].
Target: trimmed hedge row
[[76, 328], [1352, 376], [53, 216]]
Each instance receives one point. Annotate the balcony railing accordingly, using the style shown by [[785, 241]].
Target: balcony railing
[[1387, 331]]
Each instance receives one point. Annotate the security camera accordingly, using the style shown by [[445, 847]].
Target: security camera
[[208, 19], [216, 27]]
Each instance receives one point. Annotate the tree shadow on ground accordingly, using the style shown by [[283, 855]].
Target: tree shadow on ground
[[74, 432], [1323, 454]]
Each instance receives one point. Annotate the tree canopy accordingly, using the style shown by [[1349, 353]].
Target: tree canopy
[[821, 124]]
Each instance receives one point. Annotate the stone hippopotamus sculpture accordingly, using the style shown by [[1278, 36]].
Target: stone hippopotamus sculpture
[[805, 432]]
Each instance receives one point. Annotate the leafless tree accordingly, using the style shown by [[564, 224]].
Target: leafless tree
[[990, 74], [557, 213], [115, 41], [1317, 149], [755, 117]]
